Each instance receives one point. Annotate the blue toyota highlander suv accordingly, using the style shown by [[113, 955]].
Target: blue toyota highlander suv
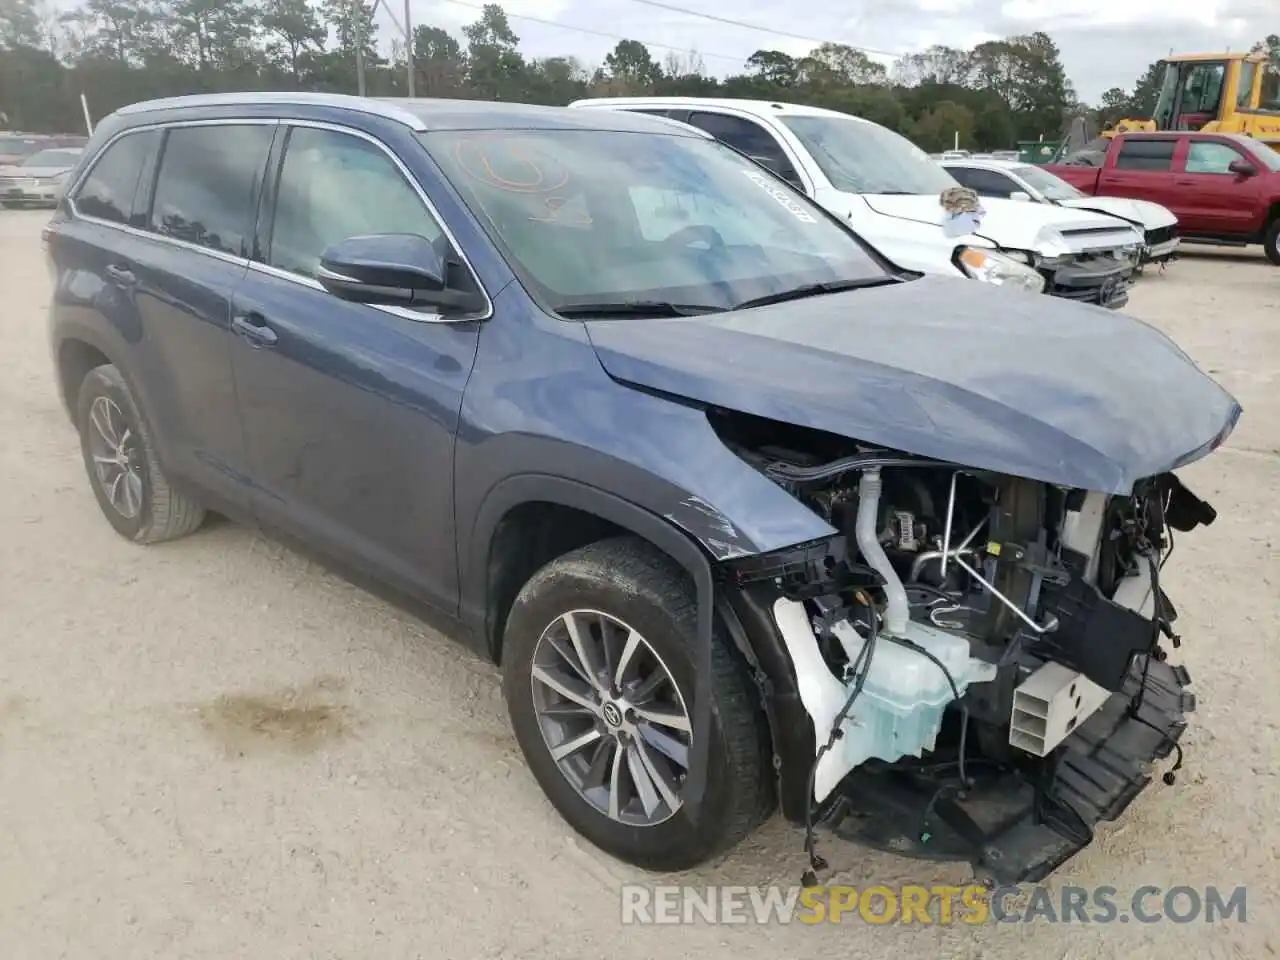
[[750, 518]]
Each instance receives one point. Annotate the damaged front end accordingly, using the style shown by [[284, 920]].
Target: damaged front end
[[972, 668]]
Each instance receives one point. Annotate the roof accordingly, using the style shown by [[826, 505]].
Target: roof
[[1193, 134], [424, 114], [1211, 57], [759, 108]]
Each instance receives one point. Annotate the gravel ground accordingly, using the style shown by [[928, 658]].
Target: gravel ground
[[214, 748]]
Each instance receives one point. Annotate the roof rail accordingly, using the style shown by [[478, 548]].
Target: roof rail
[[378, 108]]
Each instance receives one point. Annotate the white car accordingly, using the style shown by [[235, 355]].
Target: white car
[[1012, 180], [38, 180], [890, 191]]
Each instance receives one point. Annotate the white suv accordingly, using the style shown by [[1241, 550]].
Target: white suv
[[889, 190]]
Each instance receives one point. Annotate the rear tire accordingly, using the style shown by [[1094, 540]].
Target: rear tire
[[1271, 242], [626, 588], [115, 442]]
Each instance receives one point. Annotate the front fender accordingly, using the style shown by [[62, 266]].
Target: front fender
[[539, 402], [543, 488]]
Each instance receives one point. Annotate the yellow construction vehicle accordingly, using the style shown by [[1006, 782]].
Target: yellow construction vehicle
[[1216, 93]]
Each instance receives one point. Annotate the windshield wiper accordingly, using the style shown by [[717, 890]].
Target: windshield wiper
[[814, 289], [637, 308]]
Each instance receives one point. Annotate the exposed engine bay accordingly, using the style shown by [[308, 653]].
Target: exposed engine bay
[[964, 626]]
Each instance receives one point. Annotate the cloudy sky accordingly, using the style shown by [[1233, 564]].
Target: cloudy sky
[[1104, 43]]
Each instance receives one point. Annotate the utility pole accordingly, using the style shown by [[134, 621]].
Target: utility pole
[[408, 47], [358, 39]]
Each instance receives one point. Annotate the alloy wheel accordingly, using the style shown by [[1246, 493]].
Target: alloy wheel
[[612, 716], [117, 458]]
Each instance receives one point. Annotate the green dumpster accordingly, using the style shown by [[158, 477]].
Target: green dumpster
[[1037, 151]]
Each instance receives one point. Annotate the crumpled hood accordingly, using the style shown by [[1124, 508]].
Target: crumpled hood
[[1152, 216], [1010, 224], [1001, 380]]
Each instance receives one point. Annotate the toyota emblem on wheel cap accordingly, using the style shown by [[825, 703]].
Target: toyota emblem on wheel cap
[[612, 715]]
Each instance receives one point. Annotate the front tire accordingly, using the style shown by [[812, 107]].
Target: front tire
[[115, 443], [598, 675], [1271, 242]]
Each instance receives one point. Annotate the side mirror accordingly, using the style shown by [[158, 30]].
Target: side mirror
[[1242, 168], [1020, 196], [391, 269]]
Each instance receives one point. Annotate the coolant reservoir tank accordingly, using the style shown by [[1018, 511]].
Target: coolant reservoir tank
[[899, 711]]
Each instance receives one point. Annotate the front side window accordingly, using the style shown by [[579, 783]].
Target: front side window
[[107, 193], [861, 157], [208, 182], [1048, 185], [1205, 156], [336, 185], [749, 137], [985, 183], [594, 216], [1145, 155]]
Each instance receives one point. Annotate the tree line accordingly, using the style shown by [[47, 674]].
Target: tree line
[[121, 51]]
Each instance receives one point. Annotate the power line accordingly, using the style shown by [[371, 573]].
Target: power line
[[673, 8], [600, 33]]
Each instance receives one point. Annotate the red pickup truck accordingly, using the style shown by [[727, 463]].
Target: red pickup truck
[[1224, 188]]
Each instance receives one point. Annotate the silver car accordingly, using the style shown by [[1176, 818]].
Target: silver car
[[38, 180]]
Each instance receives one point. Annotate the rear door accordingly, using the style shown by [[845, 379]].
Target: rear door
[[1141, 169], [166, 274], [350, 411], [1217, 201]]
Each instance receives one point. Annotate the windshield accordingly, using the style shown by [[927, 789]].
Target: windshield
[[1269, 158], [601, 217], [1047, 184], [861, 157], [17, 146], [52, 158]]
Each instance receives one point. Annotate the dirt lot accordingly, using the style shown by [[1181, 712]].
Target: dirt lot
[[216, 749]]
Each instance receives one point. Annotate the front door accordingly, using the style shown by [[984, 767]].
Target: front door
[[349, 410], [1216, 200]]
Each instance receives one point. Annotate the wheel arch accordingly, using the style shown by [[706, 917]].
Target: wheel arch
[[593, 514], [1273, 215], [75, 344], [612, 514], [74, 358]]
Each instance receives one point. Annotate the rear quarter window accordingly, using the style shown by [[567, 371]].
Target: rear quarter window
[[110, 190], [207, 187]]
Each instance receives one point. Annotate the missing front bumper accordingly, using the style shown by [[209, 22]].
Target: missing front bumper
[[1018, 827]]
